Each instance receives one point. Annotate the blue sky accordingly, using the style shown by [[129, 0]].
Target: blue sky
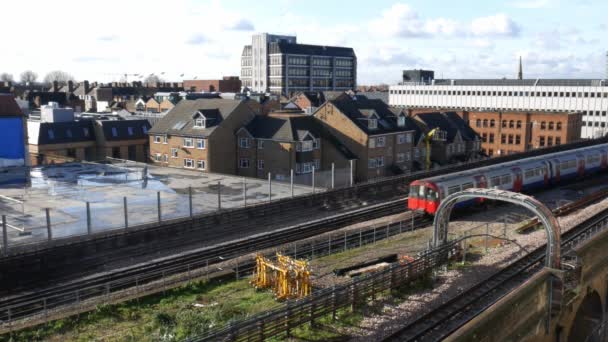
[[473, 39]]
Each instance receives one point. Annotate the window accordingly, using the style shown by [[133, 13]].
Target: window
[[549, 141], [380, 141], [504, 123], [371, 163], [188, 142], [316, 144], [372, 123], [550, 125], [541, 141], [157, 157], [317, 164], [558, 141], [260, 164], [400, 138], [517, 139], [518, 125], [485, 122], [165, 158], [478, 123], [85, 131], [189, 163], [157, 139], [173, 153], [492, 123], [484, 137], [68, 132], [243, 142], [244, 163], [408, 138], [511, 124], [114, 132], [558, 126], [491, 138], [372, 143], [401, 121], [144, 129], [543, 125], [201, 164], [200, 144], [503, 139], [304, 146], [260, 144], [400, 157], [380, 161], [165, 139]]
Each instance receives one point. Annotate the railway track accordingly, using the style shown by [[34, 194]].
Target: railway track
[[447, 318], [41, 300]]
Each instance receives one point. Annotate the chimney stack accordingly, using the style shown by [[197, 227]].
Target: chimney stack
[[86, 86], [70, 86]]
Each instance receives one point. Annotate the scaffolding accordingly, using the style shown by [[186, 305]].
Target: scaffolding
[[287, 277]]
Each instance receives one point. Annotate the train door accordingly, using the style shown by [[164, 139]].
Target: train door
[[556, 172], [546, 173], [580, 168], [518, 180]]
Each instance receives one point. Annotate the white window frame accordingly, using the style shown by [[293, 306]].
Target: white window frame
[[157, 139], [243, 142], [372, 143], [200, 123], [165, 158], [306, 146], [372, 163], [260, 164], [174, 153], [165, 139], [317, 164], [189, 161], [157, 157], [401, 138], [188, 142], [408, 138], [203, 162], [316, 144], [380, 161], [401, 121], [372, 123], [380, 141], [201, 144], [260, 144]]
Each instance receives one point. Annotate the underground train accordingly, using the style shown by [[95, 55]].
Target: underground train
[[520, 176]]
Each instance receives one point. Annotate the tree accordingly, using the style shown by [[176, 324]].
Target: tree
[[61, 77], [6, 77], [153, 79], [28, 76]]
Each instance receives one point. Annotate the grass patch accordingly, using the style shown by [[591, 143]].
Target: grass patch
[[168, 317]]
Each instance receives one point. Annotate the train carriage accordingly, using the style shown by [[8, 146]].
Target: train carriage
[[519, 176]]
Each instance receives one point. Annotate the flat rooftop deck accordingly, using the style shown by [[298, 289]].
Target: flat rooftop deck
[[66, 188]]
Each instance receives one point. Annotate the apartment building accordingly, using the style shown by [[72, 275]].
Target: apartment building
[[278, 64], [200, 134], [283, 141], [587, 96], [382, 140], [58, 136]]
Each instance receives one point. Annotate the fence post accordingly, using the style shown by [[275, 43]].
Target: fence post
[[291, 181], [487, 235], [219, 195], [269, 187], [126, 209], [89, 228], [4, 236], [158, 206], [352, 177], [313, 179], [333, 175], [244, 192], [189, 200], [48, 224], [333, 303]]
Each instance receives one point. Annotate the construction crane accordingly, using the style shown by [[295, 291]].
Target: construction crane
[[434, 134]]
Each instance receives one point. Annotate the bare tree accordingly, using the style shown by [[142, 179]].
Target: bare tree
[[28, 76], [6, 77], [61, 77], [153, 79]]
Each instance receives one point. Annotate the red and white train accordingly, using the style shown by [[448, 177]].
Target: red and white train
[[520, 176]]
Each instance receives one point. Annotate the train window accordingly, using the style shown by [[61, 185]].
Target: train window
[[529, 173], [432, 195], [505, 179], [414, 191], [495, 181], [467, 186], [453, 189], [421, 192], [592, 159]]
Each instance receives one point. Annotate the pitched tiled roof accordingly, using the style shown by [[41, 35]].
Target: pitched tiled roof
[[179, 120], [114, 130], [65, 132], [360, 108], [8, 106]]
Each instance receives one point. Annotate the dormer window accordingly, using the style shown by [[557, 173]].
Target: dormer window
[[401, 121], [199, 123], [372, 123], [199, 120]]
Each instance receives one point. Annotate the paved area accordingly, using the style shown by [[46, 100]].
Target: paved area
[[65, 189]]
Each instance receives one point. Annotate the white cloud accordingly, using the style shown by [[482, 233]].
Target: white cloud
[[495, 25]]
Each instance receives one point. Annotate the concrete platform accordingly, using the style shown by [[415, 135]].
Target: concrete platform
[[65, 189]]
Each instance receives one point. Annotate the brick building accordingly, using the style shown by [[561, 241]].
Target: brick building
[[280, 142], [381, 139], [200, 134], [518, 131], [228, 84]]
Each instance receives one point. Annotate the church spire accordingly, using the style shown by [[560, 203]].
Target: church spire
[[520, 73]]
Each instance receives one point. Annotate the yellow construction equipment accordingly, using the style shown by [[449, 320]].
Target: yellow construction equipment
[[287, 277], [427, 139]]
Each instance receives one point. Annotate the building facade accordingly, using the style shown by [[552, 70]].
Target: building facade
[[280, 142], [228, 84], [13, 136], [278, 64], [200, 134], [382, 140], [589, 97]]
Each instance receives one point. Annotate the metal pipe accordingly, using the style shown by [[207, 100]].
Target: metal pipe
[[48, 224], [4, 236], [291, 182], [158, 207], [190, 200], [219, 195], [269, 187], [126, 211], [313, 179], [244, 192], [89, 228], [333, 175]]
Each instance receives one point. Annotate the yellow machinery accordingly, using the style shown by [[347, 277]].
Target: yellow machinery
[[287, 277]]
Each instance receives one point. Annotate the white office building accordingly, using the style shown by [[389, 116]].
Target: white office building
[[549, 95]]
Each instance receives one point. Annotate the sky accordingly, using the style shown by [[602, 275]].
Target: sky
[[103, 40]]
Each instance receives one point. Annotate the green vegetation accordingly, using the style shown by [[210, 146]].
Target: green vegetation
[[163, 317]]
